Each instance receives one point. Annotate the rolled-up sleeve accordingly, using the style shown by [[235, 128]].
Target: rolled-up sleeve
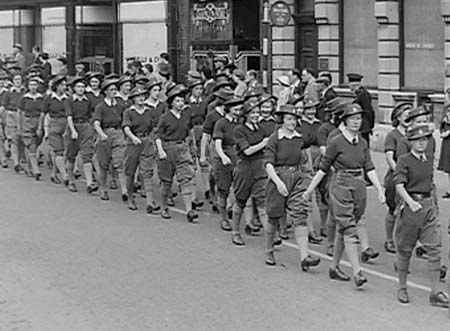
[[270, 151], [161, 129], [241, 139], [126, 122], [330, 155], [401, 172]]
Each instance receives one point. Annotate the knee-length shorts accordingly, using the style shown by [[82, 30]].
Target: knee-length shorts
[[250, 179], [56, 130], [111, 151], [142, 156], [84, 144], [29, 136]]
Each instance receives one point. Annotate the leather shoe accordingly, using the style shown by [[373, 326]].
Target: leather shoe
[[277, 242], [444, 270], [66, 182], [152, 209], [359, 279], [368, 254], [421, 252], [17, 168], [314, 239], [91, 189], [330, 251], [38, 177], [55, 180], [170, 202], [215, 209], [113, 184], [165, 214], [402, 296], [196, 204], [125, 197], [338, 274], [104, 196], [225, 225], [191, 216], [389, 247], [439, 299], [251, 231], [72, 187], [323, 233], [446, 195], [132, 205], [270, 260], [236, 239], [284, 234], [309, 261]]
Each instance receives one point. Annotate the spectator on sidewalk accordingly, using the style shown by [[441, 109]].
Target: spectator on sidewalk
[[311, 90]]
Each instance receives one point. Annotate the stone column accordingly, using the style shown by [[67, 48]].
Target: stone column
[[327, 19], [387, 15]]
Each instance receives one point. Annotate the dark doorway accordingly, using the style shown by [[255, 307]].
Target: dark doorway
[[306, 35]]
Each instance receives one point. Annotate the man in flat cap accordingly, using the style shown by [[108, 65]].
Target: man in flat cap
[[363, 98]]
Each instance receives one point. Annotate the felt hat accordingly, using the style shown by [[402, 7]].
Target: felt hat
[[399, 109], [351, 109], [136, 92], [177, 90], [57, 81], [334, 104], [75, 80], [108, 82], [234, 101], [418, 131], [287, 110], [224, 94], [416, 112], [248, 107], [152, 83]]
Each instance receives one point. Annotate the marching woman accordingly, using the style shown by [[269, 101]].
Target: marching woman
[[29, 109], [395, 146], [79, 135], [9, 105], [93, 90], [226, 156], [140, 151], [174, 128], [157, 108], [54, 106], [349, 155], [249, 176], [267, 120], [418, 214], [283, 159], [111, 145]]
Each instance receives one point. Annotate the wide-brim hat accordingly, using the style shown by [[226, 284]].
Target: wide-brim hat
[[164, 70], [36, 79], [108, 82], [57, 81], [267, 97], [93, 74], [225, 94], [75, 80], [19, 46], [137, 92], [194, 74], [194, 82], [419, 131], [354, 77], [141, 78], [310, 103], [112, 76], [288, 110], [234, 101], [178, 90], [221, 85], [221, 59], [416, 112], [399, 109], [152, 83], [124, 79], [334, 104], [296, 98], [322, 79], [252, 94], [283, 81], [248, 107], [35, 68], [351, 109]]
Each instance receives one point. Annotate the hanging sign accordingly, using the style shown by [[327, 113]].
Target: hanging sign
[[280, 14], [211, 20]]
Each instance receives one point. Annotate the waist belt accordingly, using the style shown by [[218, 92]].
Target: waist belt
[[31, 116], [174, 142], [80, 121], [288, 168], [353, 172], [115, 127], [57, 117], [142, 134], [420, 196], [227, 146]]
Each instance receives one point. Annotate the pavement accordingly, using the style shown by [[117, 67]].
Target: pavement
[[71, 262]]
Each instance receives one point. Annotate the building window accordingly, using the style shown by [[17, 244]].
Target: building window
[[360, 46], [423, 45], [54, 34], [144, 30]]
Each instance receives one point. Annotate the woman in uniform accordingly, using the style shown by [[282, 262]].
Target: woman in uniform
[[267, 105], [79, 135], [395, 146], [226, 156], [29, 108], [9, 104], [111, 145], [174, 128], [93, 90], [54, 106], [140, 151], [418, 214], [283, 159], [249, 175], [349, 155]]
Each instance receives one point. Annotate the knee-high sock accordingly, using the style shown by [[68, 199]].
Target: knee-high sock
[[351, 248], [61, 165], [269, 235], [339, 248], [389, 226], [222, 203], [363, 234], [237, 214], [71, 170], [301, 236], [88, 173]]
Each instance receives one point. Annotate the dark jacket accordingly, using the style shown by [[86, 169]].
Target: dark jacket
[[329, 95], [364, 99]]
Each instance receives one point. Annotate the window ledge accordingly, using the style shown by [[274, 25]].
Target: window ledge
[[404, 96], [437, 97], [346, 92]]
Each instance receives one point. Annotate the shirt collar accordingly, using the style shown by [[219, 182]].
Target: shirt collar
[[420, 157], [90, 90], [123, 97], [282, 134], [34, 97], [57, 97], [193, 99], [133, 107], [110, 102], [76, 97], [307, 120], [220, 111], [175, 114], [152, 104], [252, 127], [270, 118], [349, 136], [230, 118], [17, 89]]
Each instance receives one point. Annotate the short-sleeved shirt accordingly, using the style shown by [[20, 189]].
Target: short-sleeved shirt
[[343, 155], [79, 108], [94, 98], [224, 130], [284, 151], [395, 142], [171, 128], [324, 131], [30, 104], [269, 125], [11, 98], [156, 110], [54, 105], [245, 137], [138, 123], [210, 121], [416, 175], [125, 102], [198, 110], [309, 131], [109, 114]]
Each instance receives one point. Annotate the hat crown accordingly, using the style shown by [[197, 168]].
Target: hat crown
[[418, 131]]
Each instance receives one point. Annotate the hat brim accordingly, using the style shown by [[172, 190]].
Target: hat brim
[[282, 112], [312, 105], [106, 86], [353, 113], [418, 136], [134, 95], [149, 87], [410, 118], [180, 93]]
